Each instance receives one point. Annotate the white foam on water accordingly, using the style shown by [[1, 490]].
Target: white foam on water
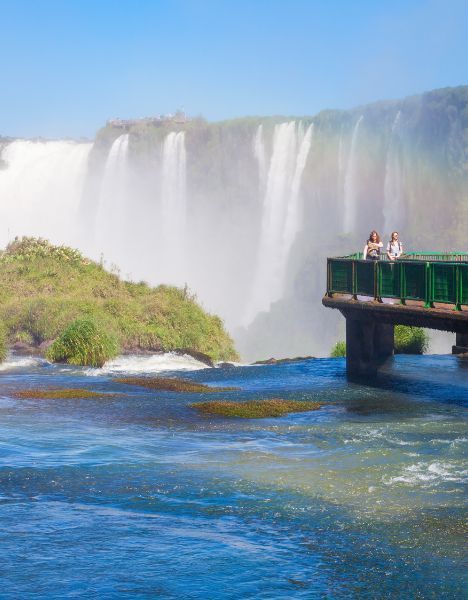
[[13, 363], [448, 442], [427, 474], [154, 363], [219, 365]]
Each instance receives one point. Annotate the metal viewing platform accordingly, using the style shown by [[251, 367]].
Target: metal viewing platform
[[419, 289]]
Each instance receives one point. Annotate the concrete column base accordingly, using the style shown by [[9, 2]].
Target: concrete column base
[[368, 345], [461, 344]]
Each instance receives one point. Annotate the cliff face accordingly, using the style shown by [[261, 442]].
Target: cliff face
[[390, 165], [245, 211], [420, 142]]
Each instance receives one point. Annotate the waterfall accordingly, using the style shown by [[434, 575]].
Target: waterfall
[[173, 208], [112, 214], [339, 181], [222, 207], [260, 156], [281, 212], [350, 192], [393, 184], [293, 215], [40, 189]]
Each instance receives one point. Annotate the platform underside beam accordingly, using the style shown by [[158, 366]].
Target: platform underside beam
[[370, 329]]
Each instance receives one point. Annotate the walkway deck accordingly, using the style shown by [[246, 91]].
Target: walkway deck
[[424, 290]]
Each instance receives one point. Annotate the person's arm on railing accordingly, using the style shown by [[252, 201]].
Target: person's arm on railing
[[364, 252]]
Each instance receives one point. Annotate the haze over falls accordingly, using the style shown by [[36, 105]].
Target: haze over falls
[[245, 211]]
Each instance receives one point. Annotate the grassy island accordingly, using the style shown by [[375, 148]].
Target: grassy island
[[172, 384], [60, 394], [49, 292], [255, 409]]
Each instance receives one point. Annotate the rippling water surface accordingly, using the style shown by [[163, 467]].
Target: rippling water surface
[[139, 496]]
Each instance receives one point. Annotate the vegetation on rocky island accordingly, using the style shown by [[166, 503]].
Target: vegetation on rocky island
[[84, 342], [60, 394], [168, 384], [255, 409], [45, 288]]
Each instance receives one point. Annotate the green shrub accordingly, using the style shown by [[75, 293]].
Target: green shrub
[[410, 340], [3, 343], [339, 350], [84, 342]]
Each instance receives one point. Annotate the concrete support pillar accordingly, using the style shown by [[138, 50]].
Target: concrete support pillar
[[461, 344], [368, 345]]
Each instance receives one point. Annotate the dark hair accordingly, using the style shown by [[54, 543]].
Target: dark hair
[[371, 234], [392, 234]]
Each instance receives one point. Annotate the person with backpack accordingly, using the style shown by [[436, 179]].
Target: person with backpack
[[372, 247], [394, 247]]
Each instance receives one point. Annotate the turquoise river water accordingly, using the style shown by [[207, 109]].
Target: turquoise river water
[[139, 496]]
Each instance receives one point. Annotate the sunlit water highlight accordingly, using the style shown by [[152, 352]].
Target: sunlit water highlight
[[139, 496]]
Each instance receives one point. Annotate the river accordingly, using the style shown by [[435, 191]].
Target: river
[[140, 496]]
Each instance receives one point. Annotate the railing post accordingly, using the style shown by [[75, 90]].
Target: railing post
[[431, 285], [402, 283], [458, 287], [428, 291], [377, 281], [329, 267], [354, 279]]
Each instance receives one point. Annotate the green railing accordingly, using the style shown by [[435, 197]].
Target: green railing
[[412, 277]]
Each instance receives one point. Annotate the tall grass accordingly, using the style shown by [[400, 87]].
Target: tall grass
[[84, 342], [3, 343]]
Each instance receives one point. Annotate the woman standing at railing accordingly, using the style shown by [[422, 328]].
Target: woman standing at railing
[[394, 247], [372, 247]]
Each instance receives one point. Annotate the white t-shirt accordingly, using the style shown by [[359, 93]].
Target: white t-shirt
[[394, 248]]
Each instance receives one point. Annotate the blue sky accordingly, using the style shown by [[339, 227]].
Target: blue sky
[[68, 65]]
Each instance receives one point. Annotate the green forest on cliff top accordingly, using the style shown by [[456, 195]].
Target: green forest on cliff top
[[44, 288]]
